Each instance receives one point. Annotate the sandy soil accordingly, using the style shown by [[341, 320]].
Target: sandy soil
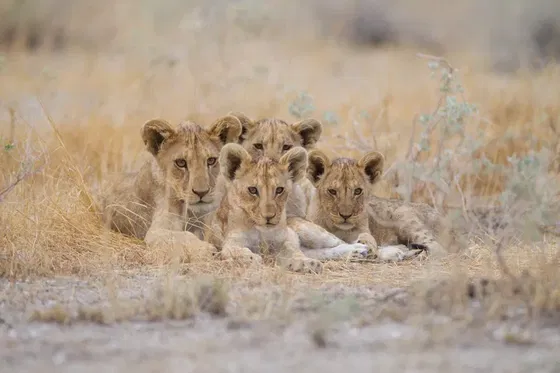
[[330, 328]]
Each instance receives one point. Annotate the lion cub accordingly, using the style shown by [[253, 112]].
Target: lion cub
[[253, 210], [273, 138], [166, 200], [342, 200]]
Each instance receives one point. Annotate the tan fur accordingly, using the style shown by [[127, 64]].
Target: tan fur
[[253, 210], [173, 191], [343, 188], [272, 137], [345, 205]]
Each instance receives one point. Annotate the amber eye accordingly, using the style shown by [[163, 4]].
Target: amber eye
[[358, 191], [279, 190], [181, 163], [211, 161], [253, 191], [286, 147], [258, 146], [332, 192]]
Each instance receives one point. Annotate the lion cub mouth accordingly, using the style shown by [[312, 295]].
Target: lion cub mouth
[[345, 226]]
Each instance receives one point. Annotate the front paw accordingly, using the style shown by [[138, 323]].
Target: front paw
[[370, 242], [359, 251], [304, 265], [393, 253], [241, 255]]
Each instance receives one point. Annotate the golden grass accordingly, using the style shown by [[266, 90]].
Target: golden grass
[[79, 117]]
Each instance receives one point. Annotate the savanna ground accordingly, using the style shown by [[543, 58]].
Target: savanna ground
[[74, 296]]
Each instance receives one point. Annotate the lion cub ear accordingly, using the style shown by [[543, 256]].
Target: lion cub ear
[[372, 165], [246, 124], [227, 129], [232, 157], [310, 131], [295, 160], [318, 165], [154, 133]]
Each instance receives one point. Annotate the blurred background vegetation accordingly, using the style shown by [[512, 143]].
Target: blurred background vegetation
[[507, 34]]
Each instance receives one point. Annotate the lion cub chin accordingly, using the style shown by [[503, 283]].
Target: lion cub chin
[[343, 192], [251, 219]]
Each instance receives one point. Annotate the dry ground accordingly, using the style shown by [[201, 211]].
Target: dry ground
[[74, 296]]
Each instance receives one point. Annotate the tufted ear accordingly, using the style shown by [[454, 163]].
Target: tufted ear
[[232, 157], [309, 130], [295, 160], [154, 133], [372, 165], [246, 124], [227, 129], [318, 165]]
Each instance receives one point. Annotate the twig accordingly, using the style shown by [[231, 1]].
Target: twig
[[19, 179]]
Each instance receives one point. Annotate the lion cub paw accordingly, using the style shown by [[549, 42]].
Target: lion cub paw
[[304, 265], [393, 253], [370, 242], [243, 255], [396, 253]]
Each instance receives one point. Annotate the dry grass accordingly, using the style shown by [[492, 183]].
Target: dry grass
[[76, 118]]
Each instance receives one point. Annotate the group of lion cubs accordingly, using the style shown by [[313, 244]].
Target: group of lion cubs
[[242, 188]]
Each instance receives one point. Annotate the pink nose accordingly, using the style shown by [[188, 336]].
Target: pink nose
[[200, 193], [345, 217]]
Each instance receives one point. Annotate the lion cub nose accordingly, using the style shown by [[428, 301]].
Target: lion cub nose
[[269, 217], [345, 217], [201, 193]]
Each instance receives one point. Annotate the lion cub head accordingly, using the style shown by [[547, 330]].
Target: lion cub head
[[274, 137], [260, 186], [344, 186], [187, 156]]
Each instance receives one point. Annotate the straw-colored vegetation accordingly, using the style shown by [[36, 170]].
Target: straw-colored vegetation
[[70, 122]]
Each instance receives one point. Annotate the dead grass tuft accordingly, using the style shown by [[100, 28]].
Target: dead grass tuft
[[55, 314], [176, 299]]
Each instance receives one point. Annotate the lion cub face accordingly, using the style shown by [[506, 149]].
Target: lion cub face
[[260, 186], [272, 137], [187, 156], [344, 185]]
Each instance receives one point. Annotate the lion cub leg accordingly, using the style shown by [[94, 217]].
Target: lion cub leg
[[413, 232], [320, 244], [178, 244], [292, 258], [166, 233], [389, 253], [235, 247]]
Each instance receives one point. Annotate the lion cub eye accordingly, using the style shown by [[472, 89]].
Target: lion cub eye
[[358, 191], [211, 161], [258, 146], [181, 163], [279, 190], [253, 191], [332, 192], [286, 147]]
